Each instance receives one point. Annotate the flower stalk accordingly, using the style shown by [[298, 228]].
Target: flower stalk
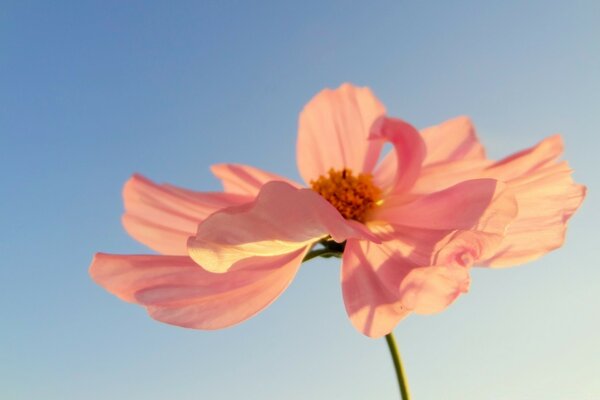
[[332, 249], [402, 382]]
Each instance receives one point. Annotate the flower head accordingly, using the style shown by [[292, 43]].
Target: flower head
[[411, 225]]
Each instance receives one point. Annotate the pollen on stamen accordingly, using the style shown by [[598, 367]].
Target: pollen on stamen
[[351, 195]]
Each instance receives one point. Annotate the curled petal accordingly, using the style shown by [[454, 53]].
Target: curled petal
[[244, 179], [280, 220], [175, 290], [452, 140], [163, 216], [466, 248], [333, 132], [399, 173]]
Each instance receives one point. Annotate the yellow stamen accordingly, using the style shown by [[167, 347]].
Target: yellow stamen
[[351, 195]]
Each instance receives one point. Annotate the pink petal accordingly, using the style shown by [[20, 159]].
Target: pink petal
[[547, 199], [177, 291], [163, 216], [452, 140], [280, 220], [398, 173], [244, 179], [333, 132], [381, 286], [479, 204]]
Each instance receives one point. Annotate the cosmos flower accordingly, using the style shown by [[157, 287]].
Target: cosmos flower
[[408, 226]]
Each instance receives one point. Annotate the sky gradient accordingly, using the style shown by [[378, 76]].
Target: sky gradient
[[91, 92]]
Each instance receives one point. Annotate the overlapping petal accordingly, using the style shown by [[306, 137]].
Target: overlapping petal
[[163, 216], [333, 131], [177, 291], [543, 188], [280, 220], [479, 204], [381, 286]]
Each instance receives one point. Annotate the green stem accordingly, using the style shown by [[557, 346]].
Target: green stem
[[321, 253], [398, 366]]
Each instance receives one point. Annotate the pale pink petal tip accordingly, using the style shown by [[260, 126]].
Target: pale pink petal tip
[[177, 291]]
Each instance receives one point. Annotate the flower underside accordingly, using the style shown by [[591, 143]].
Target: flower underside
[[353, 196]]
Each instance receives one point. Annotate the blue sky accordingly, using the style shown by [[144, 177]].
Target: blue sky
[[91, 92]]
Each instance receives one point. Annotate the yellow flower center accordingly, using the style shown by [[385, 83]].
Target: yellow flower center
[[351, 195]]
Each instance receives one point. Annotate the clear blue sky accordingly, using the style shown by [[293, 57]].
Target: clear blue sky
[[91, 92]]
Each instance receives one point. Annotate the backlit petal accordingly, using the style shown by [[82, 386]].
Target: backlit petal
[[244, 179], [280, 220], [177, 291], [333, 132], [163, 216]]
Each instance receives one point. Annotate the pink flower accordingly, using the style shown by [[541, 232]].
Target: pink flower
[[412, 224]]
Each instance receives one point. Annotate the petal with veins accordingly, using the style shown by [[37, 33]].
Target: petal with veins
[[163, 216], [177, 291], [333, 131]]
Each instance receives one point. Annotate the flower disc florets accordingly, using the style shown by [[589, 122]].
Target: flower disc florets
[[351, 195]]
